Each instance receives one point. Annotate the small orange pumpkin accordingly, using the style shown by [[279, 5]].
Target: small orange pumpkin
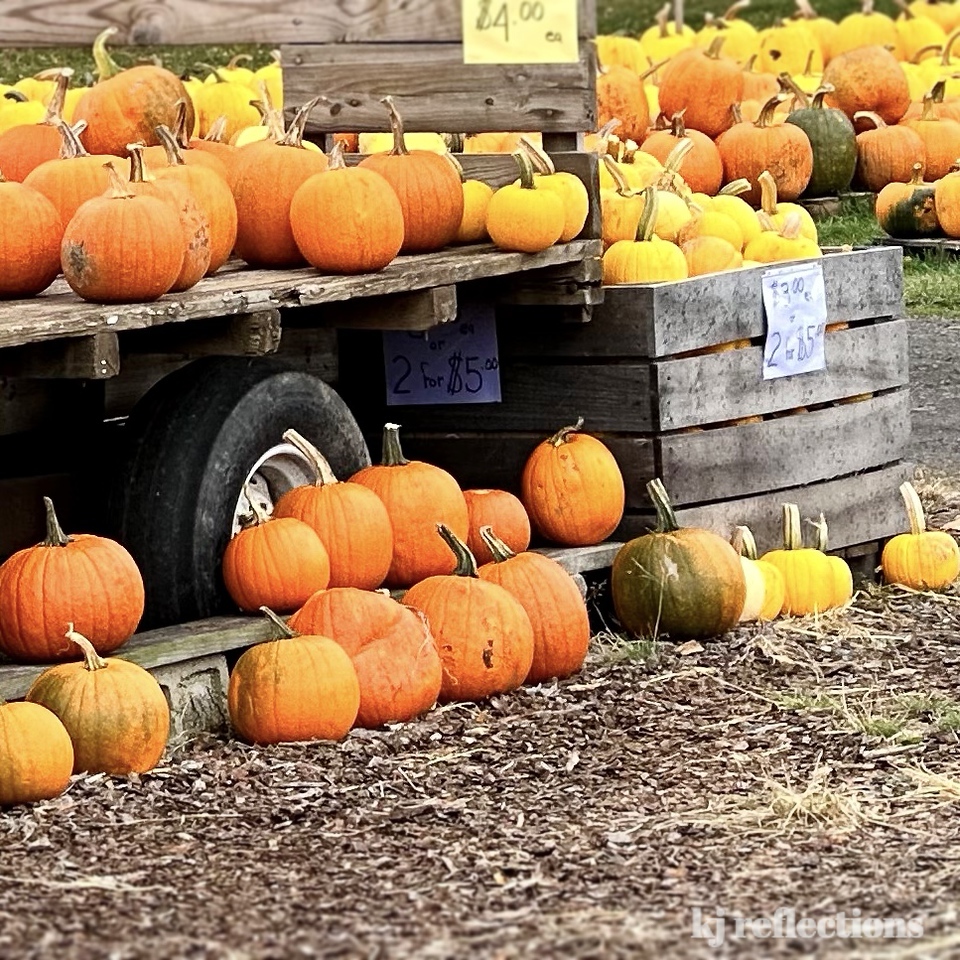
[[502, 511], [30, 258], [36, 755]]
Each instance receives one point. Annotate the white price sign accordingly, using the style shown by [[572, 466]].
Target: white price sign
[[796, 307]]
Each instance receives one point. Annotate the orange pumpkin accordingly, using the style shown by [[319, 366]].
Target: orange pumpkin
[[701, 168], [886, 154], [868, 78], [502, 511], [397, 664], [30, 258], [213, 144], [26, 146], [161, 155], [36, 755], [940, 136], [620, 95]]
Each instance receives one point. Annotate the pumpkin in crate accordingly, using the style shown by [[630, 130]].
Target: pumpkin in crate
[[701, 168], [476, 201], [684, 582], [787, 243], [834, 144], [647, 258], [417, 496], [620, 95], [729, 201], [868, 78], [778, 211], [807, 576], [774, 588], [558, 615], [524, 216], [921, 559], [299, 687], [712, 224], [428, 189], [886, 154], [114, 710], [482, 632], [502, 511], [908, 210], [89, 580], [840, 573], [36, 755], [567, 186], [350, 520], [30, 258], [572, 488], [710, 255], [397, 664], [940, 136], [26, 146], [620, 206]]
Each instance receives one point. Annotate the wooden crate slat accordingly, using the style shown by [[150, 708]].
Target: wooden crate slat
[[435, 91], [695, 391], [806, 447]]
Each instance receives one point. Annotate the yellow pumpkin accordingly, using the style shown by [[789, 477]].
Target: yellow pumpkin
[[772, 246], [918, 33], [522, 216], [774, 588], [867, 29], [707, 254], [790, 48], [663, 41], [567, 186], [807, 577], [647, 259], [729, 202], [755, 599], [841, 578], [476, 200], [778, 212], [740, 39], [711, 223], [620, 207]]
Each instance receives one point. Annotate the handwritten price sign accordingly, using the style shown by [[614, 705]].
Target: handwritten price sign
[[796, 307], [451, 363], [520, 31]]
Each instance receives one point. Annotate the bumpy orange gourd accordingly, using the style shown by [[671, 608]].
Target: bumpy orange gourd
[[36, 755], [397, 664], [807, 576], [921, 559], [502, 511], [30, 258]]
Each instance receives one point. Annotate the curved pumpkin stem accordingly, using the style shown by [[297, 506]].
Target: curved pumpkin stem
[[769, 109], [396, 127], [392, 454], [466, 561], [118, 189], [91, 659], [947, 57], [58, 98], [217, 129], [713, 51], [239, 58], [648, 218], [106, 66], [744, 543], [325, 474], [564, 434], [911, 500], [286, 633], [620, 181], [768, 193], [735, 187], [498, 549], [55, 535], [791, 227], [666, 518], [823, 90], [169, 143], [653, 68], [539, 158], [526, 170], [180, 124], [17, 96], [792, 538], [294, 135], [874, 118], [259, 514]]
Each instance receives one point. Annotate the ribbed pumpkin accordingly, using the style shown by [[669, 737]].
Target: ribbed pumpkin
[[807, 577], [115, 712], [823, 28], [774, 588], [89, 580], [397, 664], [428, 189], [620, 206], [940, 136], [833, 142], [917, 33], [267, 177], [773, 246], [921, 559], [16, 109], [476, 201], [417, 496], [667, 37], [30, 258], [755, 595], [777, 211], [300, 687], [278, 562], [866, 28], [524, 217], [482, 632], [214, 145], [572, 488], [701, 168], [711, 223], [684, 582], [841, 577], [36, 755], [908, 210], [789, 47], [729, 201], [886, 154], [946, 197], [500, 510], [25, 147], [225, 98], [567, 186], [350, 520], [710, 255], [868, 78], [620, 94], [558, 615], [741, 39]]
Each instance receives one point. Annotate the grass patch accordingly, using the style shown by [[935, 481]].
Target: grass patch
[[618, 648]]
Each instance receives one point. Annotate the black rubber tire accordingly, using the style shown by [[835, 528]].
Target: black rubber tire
[[189, 445]]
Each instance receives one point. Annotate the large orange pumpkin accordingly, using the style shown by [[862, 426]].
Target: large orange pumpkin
[[886, 154], [940, 136], [30, 258], [85, 579], [398, 666], [868, 78], [573, 489], [25, 146], [502, 511], [417, 496], [483, 633], [349, 518], [36, 755]]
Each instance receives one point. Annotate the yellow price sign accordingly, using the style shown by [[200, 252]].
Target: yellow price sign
[[520, 31]]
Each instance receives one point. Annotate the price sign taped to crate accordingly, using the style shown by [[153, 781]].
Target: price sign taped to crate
[[796, 308], [520, 31], [455, 362]]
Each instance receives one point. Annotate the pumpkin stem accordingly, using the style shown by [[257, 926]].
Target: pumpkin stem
[[821, 92], [789, 87], [766, 224], [622, 187], [564, 434], [648, 217], [180, 124], [286, 633], [466, 561], [937, 91], [911, 500], [259, 514], [677, 126], [17, 96], [731, 12], [734, 188], [662, 19], [769, 109], [821, 538], [294, 135], [792, 539], [946, 59], [217, 129], [70, 145], [934, 48], [874, 118], [107, 67], [540, 159], [91, 659], [138, 173], [169, 143], [768, 193], [55, 535], [396, 127], [55, 106], [239, 58], [526, 170], [791, 227], [916, 176], [213, 71], [454, 142], [736, 113], [713, 51], [866, 7], [653, 68], [392, 454], [805, 10], [747, 545], [318, 461], [666, 518], [338, 163], [118, 189], [498, 549]]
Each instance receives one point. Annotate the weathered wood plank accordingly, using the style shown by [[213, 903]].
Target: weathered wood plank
[[244, 335], [572, 285], [417, 310], [434, 90], [95, 357], [695, 391], [803, 448], [583, 559]]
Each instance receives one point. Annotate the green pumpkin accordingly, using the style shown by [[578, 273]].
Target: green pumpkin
[[687, 583], [908, 210], [834, 143]]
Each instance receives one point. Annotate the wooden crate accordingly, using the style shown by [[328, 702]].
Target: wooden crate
[[636, 374]]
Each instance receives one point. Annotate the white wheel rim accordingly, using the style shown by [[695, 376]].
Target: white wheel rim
[[280, 469]]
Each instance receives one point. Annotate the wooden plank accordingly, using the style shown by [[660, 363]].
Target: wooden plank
[[95, 357], [46, 22], [575, 284], [583, 559], [435, 91], [803, 448], [417, 310], [716, 387], [858, 508], [244, 335]]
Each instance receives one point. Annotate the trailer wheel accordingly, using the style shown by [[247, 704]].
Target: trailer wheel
[[190, 445]]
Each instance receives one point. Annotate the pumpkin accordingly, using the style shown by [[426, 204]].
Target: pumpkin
[[774, 588], [231, 73], [222, 97], [476, 201], [778, 212], [834, 144], [300, 687], [127, 106], [619, 51], [267, 177], [823, 28], [567, 186], [758, 86], [30, 258], [705, 85], [946, 198], [711, 223], [572, 488], [706, 254], [772, 246], [917, 33], [620, 94], [346, 219], [500, 510], [417, 496], [940, 12], [908, 210], [868, 79], [87, 579], [921, 559], [747, 149], [524, 216], [867, 28], [753, 579], [684, 582], [393, 653], [701, 168], [646, 259], [841, 577], [213, 144], [620, 206], [667, 37], [26, 146], [162, 154], [729, 202], [790, 47], [36, 755], [271, 76], [17, 110], [673, 211], [278, 562], [113, 710], [350, 520], [428, 189], [886, 154], [807, 576], [482, 632], [741, 39], [940, 136]]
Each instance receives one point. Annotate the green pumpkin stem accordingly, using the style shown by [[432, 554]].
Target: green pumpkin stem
[[325, 474], [294, 135], [169, 143], [396, 127], [106, 66], [498, 549], [823, 90], [676, 156], [525, 164], [239, 58], [392, 454], [213, 71], [620, 181], [648, 218], [259, 514], [286, 633], [466, 561], [91, 659], [744, 543], [911, 500], [792, 538], [55, 535], [564, 434], [735, 188], [666, 518]]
